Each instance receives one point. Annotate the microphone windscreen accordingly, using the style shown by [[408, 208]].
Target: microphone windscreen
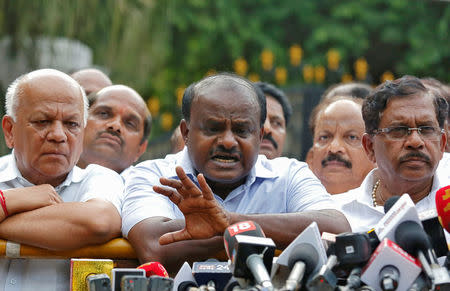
[[443, 207], [249, 228], [305, 253], [410, 236], [154, 269], [390, 202]]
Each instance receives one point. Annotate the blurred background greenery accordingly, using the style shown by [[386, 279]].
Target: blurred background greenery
[[160, 47]]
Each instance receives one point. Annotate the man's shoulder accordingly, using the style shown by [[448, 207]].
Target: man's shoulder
[[281, 165], [93, 171]]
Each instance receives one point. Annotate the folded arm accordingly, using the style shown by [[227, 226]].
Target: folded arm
[[64, 226]]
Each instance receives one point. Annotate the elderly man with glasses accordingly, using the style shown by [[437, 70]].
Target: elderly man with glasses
[[404, 124]]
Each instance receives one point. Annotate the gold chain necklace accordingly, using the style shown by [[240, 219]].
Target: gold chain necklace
[[374, 193]]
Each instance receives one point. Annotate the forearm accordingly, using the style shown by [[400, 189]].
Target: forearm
[[145, 240], [285, 227], [64, 226]]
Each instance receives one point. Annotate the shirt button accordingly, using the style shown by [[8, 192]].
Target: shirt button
[[13, 281]]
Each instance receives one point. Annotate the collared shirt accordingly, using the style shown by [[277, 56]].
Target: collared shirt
[[80, 185], [280, 185], [357, 204]]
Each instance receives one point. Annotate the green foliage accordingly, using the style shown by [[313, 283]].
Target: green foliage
[[157, 46]]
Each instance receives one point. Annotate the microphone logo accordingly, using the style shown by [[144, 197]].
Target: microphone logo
[[241, 227]]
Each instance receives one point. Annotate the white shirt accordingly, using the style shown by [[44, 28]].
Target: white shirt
[[280, 185], [357, 204], [80, 185]]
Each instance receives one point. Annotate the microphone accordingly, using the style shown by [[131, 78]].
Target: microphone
[[378, 275], [215, 274], [325, 279], [158, 283], [443, 207], [250, 256], [403, 210], [310, 235], [390, 202], [184, 279], [420, 284], [302, 262], [154, 269], [433, 228], [98, 282], [352, 248], [414, 240], [389, 277], [244, 227]]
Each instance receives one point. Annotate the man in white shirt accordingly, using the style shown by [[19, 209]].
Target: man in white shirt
[[404, 135], [47, 201]]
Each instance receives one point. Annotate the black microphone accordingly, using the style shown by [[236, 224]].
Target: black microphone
[[251, 257], [413, 239], [303, 261], [390, 202]]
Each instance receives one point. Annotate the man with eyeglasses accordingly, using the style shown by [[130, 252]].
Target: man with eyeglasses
[[404, 135]]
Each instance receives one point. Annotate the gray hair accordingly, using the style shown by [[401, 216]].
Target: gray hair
[[15, 90]]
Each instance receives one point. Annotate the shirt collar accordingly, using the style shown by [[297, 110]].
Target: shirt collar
[[11, 172]]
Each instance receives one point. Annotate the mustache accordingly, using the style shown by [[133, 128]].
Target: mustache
[[112, 132], [337, 158], [222, 150], [415, 155], [270, 138]]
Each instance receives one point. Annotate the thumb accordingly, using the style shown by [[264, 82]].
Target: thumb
[[175, 236]]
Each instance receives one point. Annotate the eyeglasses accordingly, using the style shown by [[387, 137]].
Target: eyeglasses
[[401, 132]]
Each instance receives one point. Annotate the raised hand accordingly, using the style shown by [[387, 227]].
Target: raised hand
[[204, 217]]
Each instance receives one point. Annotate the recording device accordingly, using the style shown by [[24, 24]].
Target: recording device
[[217, 272], [443, 206], [184, 279], [98, 282], [389, 253], [302, 262], [158, 283], [118, 273], [250, 256], [133, 283], [414, 240]]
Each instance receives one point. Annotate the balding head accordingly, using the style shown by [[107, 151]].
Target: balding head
[[92, 80], [44, 124], [117, 129]]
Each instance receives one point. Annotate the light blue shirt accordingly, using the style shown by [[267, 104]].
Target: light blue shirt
[[280, 185]]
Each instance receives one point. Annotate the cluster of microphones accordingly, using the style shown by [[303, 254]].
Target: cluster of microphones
[[406, 250]]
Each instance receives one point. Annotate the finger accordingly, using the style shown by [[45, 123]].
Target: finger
[[172, 237], [189, 186], [173, 195], [171, 183], [206, 190]]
